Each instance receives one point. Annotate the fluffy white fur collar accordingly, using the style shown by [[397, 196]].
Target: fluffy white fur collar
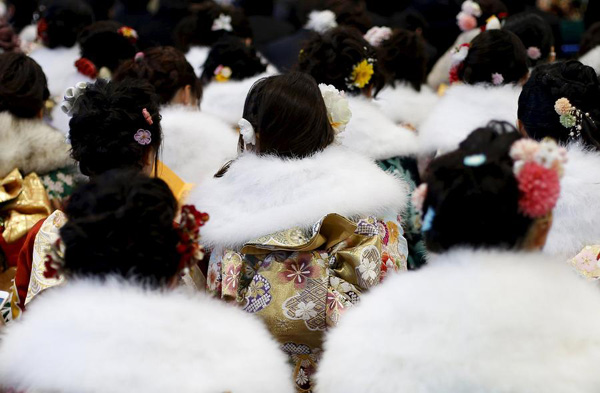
[[403, 104], [592, 59], [465, 108], [196, 144], [260, 195], [226, 100], [31, 146], [197, 56], [59, 66], [470, 322], [114, 337], [577, 216], [372, 133]]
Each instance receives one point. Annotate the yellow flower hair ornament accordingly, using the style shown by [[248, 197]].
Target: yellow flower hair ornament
[[222, 73], [361, 74]]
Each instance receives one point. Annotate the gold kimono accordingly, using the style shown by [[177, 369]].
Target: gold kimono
[[300, 282]]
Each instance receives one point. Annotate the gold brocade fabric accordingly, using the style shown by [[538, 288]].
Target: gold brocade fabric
[[24, 202], [301, 281]]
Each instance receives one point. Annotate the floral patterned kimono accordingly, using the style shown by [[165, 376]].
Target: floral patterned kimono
[[301, 278]]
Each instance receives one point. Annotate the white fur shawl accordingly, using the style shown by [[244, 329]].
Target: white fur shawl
[[197, 56], [59, 66], [226, 100], [470, 322], [371, 133], [465, 108], [403, 104], [114, 337], [196, 145], [261, 195], [577, 215], [31, 146], [592, 59]]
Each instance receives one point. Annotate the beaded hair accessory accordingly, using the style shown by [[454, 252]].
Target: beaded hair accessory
[[570, 117]]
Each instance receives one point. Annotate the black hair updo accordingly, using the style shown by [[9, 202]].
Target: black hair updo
[[476, 206], [232, 52], [550, 82], [534, 32], [403, 58], [65, 19], [121, 224], [23, 85], [103, 45], [494, 52], [107, 117]]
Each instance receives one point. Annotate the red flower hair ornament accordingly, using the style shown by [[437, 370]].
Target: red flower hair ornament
[[87, 68]]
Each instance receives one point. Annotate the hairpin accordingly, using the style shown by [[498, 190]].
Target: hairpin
[[147, 116], [570, 117]]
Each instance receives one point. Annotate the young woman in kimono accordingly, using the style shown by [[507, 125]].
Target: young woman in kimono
[[560, 101], [185, 126], [300, 227], [36, 171], [489, 312], [116, 324], [341, 57]]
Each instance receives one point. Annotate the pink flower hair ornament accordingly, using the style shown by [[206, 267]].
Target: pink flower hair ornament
[[143, 137], [534, 53]]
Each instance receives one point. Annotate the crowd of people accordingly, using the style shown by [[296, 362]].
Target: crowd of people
[[299, 196]]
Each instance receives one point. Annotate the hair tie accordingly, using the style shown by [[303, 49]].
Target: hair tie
[[147, 116]]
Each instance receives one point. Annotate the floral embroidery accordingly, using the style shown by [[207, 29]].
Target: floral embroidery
[[258, 295], [232, 277], [213, 276], [298, 270], [306, 311]]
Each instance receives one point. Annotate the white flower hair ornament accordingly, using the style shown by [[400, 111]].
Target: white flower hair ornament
[[72, 94], [377, 34], [223, 22], [247, 132], [338, 110], [321, 21]]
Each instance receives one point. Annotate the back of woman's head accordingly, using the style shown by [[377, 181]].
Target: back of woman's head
[[208, 24], [343, 58], [165, 68], [107, 44], [351, 13], [475, 205], [548, 83], [23, 85], [288, 115], [491, 8], [121, 224], [536, 35], [232, 52], [495, 56], [63, 21], [590, 39], [109, 129], [403, 58]]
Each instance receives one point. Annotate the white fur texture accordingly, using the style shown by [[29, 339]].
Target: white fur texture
[[403, 104], [371, 133], [592, 59], [114, 337], [441, 70], [465, 108], [577, 216], [470, 322], [31, 146], [226, 100], [197, 56], [196, 145], [261, 195]]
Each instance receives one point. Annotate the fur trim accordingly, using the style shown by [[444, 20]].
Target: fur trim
[[470, 322], [31, 146], [59, 66], [576, 216], [465, 108], [196, 145], [592, 59], [260, 195], [116, 337], [440, 74], [226, 100], [403, 104], [197, 56], [372, 133]]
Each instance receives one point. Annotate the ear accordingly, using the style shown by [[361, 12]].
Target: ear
[[521, 128]]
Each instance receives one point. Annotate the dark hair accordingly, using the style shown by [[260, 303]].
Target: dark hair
[[476, 206], [534, 31], [550, 82], [23, 85], [23, 12], [121, 223], [9, 40], [107, 117], [234, 53], [102, 44], [494, 51], [65, 19], [403, 58], [331, 57], [196, 29], [289, 115], [163, 67], [351, 13], [590, 39]]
